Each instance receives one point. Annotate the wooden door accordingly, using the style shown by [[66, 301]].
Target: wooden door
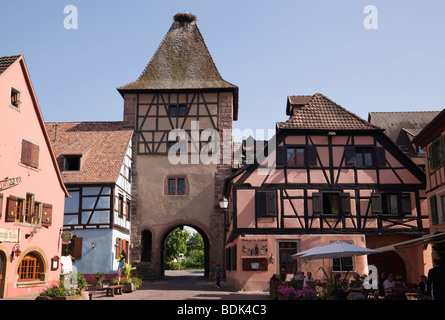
[[2, 274]]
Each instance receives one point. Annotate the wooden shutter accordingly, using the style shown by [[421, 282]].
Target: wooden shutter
[[433, 209], [1, 205], [345, 203], [406, 203], [317, 203], [26, 152], [281, 158], [234, 256], [380, 157], [76, 251], [311, 155], [35, 150], [260, 203], [430, 157], [350, 155], [30, 154], [11, 209], [118, 248], [271, 203], [47, 214], [376, 202]]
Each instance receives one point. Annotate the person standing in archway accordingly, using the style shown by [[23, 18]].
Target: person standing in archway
[[218, 274], [436, 280]]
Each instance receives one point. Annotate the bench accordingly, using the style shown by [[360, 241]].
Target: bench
[[90, 294], [112, 290]]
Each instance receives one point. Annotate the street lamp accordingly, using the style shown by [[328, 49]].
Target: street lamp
[[224, 203]]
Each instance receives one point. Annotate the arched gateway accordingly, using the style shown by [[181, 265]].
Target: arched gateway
[[205, 239], [180, 88]]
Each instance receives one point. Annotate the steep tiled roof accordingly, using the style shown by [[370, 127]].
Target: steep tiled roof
[[182, 61], [5, 62], [317, 112], [102, 145], [394, 122]]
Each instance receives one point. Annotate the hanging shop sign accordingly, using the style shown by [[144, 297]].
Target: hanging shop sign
[[66, 237], [9, 182]]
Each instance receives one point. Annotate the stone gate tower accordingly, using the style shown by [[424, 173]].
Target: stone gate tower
[[179, 86]]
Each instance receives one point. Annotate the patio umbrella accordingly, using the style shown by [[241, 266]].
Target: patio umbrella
[[337, 249]]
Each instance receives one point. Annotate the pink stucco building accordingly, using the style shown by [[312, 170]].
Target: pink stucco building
[[32, 193], [336, 177]]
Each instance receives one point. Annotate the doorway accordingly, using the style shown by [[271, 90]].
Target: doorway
[[286, 249], [2, 273]]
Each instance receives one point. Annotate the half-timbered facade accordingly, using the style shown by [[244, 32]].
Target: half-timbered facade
[[95, 161], [336, 177], [432, 140], [178, 97]]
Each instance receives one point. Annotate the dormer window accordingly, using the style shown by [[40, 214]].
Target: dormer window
[[72, 163], [15, 97]]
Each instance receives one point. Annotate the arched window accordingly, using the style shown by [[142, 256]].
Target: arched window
[[30, 268]]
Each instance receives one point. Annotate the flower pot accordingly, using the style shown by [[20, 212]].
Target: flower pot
[[129, 287]]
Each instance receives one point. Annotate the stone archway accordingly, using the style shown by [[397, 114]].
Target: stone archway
[[206, 247], [389, 262]]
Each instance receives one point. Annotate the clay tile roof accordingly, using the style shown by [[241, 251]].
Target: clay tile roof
[[5, 62], [182, 61], [317, 112], [102, 146]]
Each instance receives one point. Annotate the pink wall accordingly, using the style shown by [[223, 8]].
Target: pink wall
[[43, 182]]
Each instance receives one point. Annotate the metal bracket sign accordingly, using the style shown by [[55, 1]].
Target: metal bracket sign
[[9, 182]]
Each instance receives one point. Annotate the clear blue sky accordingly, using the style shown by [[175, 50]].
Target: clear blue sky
[[270, 49]]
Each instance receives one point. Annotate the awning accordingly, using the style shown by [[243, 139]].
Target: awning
[[430, 238]]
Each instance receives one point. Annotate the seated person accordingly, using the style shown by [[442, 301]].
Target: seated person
[[308, 280], [356, 289]]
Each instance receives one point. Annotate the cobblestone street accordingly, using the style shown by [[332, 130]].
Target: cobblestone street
[[184, 285]]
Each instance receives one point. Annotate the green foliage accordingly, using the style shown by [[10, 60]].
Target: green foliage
[[176, 243], [195, 242], [195, 260], [127, 269], [332, 283]]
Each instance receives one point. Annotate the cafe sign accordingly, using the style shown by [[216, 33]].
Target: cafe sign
[[9, 182], [9, 235]]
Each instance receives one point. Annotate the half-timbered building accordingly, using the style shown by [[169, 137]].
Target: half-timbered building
[[401, 127], [336, 177], [179, 95], [95, 161], [432, 140]]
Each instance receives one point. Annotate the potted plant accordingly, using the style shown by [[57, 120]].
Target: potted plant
[[130, 282], [100, 276]]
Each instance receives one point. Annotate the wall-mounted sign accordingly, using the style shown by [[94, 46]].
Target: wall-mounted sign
[[9, 235], [66, 237], [9, 182]]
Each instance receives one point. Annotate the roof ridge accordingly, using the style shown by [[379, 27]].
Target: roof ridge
[[318, 114], [424, 111]]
